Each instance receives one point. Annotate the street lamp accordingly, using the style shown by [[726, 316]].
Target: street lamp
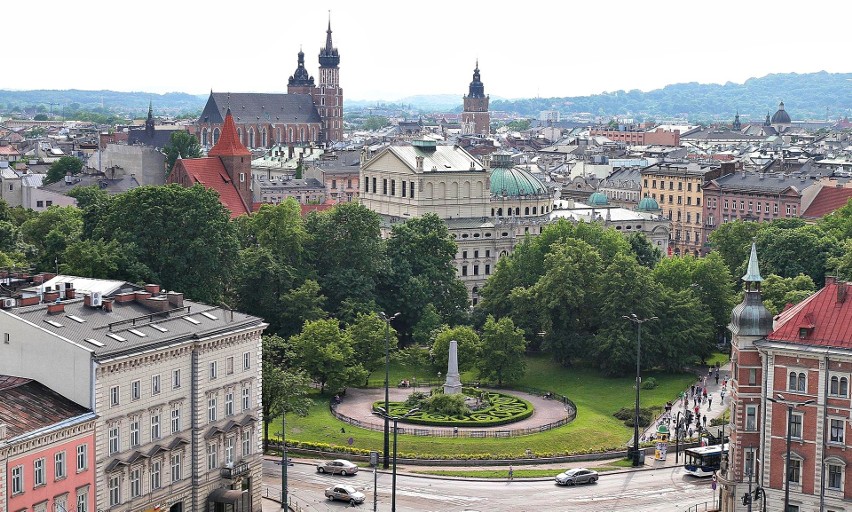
[[638, 321], [790, 406], [384, 413], [387, 320], [677, 435], [284, 461]]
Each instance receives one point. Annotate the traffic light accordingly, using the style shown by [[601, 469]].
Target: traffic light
[[758, 493], [746, 499]]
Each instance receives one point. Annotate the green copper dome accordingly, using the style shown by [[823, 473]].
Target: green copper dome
[[598, 199], [648, 204], [513, 181]]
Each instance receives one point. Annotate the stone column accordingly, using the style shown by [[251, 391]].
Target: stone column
[[453, 383]]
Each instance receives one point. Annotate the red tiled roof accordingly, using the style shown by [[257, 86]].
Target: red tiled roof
[[26, 406], [827, 319], [229, 144], [827, 200], [210, 173], [8, 150]]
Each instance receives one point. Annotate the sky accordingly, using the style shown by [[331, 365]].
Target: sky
[[394, 49]]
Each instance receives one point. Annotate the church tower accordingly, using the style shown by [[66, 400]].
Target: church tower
[[328, 96], [300, 82], [475, 119], [737, 126], [750, 322], [236, 159], [149, 123]]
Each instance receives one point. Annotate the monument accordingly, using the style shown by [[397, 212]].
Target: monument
[[453, 383]]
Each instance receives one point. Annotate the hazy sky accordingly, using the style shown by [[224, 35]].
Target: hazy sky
[[393, 49]]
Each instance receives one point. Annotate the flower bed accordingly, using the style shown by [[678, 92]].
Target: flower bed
[[502, 409]]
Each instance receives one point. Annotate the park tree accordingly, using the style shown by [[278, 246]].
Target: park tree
[[468, 347], [839, 222], [712, 283], [502, 349], [732, 240], [50, 233], [99, 259], [182, 234], [683, 332], [368, 334], [647, 253], [60, 168], [10, 236], [375, 123], [327, 355], [425, 329], [284, 392], [182, 144], [676, 272], [841, 264], [777, 291], [797, 249]]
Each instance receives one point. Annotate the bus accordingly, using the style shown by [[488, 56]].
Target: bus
[[704, 461]]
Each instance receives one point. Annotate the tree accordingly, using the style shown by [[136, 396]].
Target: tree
[[428, 325], [841, 264], [103, 260], [284, 391], [368, 337], [777, 291], [375, 123], [503, 348], [733, 241], [713, 285], [468, 347], [60, 168], [839, 222], [799, 249], [51, 232], [646, 253], [181, 144], [327, 355]]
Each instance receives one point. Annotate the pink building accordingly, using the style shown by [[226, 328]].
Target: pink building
[[46, 450]]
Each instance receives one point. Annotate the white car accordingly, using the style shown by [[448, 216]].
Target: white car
[[577, 476], [345, 493], [337, 466]]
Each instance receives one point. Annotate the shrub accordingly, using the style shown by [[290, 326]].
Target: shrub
[[499, 409], [415, 399], [446, 405], [649, 383], [646, 416]]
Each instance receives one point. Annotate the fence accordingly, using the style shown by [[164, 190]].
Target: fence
[[294, 502], [474, 433], [707, 506]]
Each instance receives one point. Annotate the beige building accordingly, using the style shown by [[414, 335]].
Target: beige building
[[176, 386]]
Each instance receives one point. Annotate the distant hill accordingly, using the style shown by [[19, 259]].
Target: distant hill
[[130, 103]]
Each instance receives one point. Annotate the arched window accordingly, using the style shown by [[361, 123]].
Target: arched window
[[834, 389], [792, 384], [518, 211], [492, 212], [204, 136], [442, 190], [527, 210], [499, 212], [301, 134], [454, 189], [278, 136], [466, 189], [844, 386], [802, 382], [240, 136], [263, 138], [428, 191], [289, 135], [215, 136], [535, 210], [251, 137]]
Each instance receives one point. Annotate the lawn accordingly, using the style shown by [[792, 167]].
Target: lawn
[[594, 429]]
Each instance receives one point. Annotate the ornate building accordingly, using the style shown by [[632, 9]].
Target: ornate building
[[308, 113], [475, 119]]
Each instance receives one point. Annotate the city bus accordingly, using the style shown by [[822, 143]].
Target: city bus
[[704, 461]]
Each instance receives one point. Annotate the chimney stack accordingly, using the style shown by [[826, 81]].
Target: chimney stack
[[153, 289], [175, 299], [107, 305], [841, 292], [55, 308]]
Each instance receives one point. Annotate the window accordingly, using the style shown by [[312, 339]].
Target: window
[[134, 432], [39, 204], [247, 361], [404, 188], [411, 189], [229, 403], [17, 479], [155, 385], [464, 255], [788, 209], [246, 443], [176, 378], [775, 208], [135, 390], [795, 470], [82, 457], [229, 366], [114, 394], [175, 419], [229, 450], [39, 477], [114, 440], [135, 482], [212, 463], [114, 490], [726, 204], [487, 270], [211, 409], [680, 185], [797, 382], [766, 207], [752, 376], [214, 370], [246, 398], [748, 462], [476, 270], [82, 500], [155, 475], [385, 186], [374, 185], [750, 205], [654, 183], [176, 468], [796, 425], [835, 477], [155, 426], [751, 418], [59, 466], [837, 429]]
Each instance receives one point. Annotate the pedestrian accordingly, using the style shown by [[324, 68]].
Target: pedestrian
[[709, 402], [693, 390], [717, 378], [704, 420], [704, 382], [723, 396], [511, 473], [690, 432], [695, 409], [704, 394]]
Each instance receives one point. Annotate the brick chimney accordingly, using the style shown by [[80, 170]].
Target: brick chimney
[[841, 291], [55, 308], [50, 296], [153, 289], [176, 299], [107, 305]]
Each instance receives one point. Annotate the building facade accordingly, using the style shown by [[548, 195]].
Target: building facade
[[475, 118]]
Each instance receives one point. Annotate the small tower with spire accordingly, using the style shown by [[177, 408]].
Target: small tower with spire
[[149, 122], [737, 126], [235, 157], [300, 81], [328, 95], [475, 118]]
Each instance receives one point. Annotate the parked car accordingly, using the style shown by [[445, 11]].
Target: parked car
[[345, 493], [577, 476], [337, 466]]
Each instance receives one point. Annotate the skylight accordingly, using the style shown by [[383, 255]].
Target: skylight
[[54, 323], [76, 318], [116, 337], [209, 315], [191, 320], [94, 342], [159, 328], [137, 332]]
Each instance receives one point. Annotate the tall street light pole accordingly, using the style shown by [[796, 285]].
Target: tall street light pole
[[790, 405], [387, 320], [395, 419], [638, 321], [284, 461]]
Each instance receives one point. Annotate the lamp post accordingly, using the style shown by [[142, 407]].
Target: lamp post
[[790, 405], [638, 321], [284, 461], [387, 320], [384, 413], [677, 435]]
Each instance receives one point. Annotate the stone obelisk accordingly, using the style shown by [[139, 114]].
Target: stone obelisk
[[453, 383]]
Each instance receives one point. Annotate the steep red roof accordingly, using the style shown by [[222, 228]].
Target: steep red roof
[[827, 200], [229, 144], [825, 316], [210, 173], [26, 406]]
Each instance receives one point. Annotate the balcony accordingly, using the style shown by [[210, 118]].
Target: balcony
[[235, 471]]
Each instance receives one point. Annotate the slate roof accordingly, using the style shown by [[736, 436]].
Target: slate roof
[[772, 183], [827, 200], [158, 138], [27, 406], [260, 107], [827, 318], [97, 324], [210, 173]]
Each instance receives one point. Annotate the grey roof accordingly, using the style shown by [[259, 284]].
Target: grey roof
[[111, 186], [442, 158], [158, 138], [251, 107], [97, 324], [752, 182]]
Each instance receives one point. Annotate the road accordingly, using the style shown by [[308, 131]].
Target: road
[[665, 489]]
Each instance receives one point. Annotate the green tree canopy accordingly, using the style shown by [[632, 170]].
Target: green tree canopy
[[468, 347], [181, 144], [51, 232], [327, 355], [503, 348], [60, 168], [368, 338], [778, 291]]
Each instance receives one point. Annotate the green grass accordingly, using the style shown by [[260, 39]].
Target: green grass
[[594, 429], [718, 357]]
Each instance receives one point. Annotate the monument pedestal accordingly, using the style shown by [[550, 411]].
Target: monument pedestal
[[453, 383]]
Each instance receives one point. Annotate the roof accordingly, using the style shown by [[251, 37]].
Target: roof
[[772, 183], [827, 200], [210, 173], [514, 181], [441, 158], [826, 316], [254, 107], [27, 406], [158, 138], [229, 143], [781, 116]]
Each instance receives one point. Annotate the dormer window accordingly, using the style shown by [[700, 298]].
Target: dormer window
[[803, 332]]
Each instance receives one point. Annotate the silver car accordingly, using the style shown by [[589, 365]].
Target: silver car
[[577, 476], [345, 493], [337, 467]]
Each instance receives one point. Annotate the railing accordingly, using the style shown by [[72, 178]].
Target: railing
[[236, 471], [294, 502], [707, 506]]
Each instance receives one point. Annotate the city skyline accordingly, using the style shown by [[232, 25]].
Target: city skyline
[[390, 52]]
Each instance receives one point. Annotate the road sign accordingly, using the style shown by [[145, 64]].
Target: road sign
[[350, 441]]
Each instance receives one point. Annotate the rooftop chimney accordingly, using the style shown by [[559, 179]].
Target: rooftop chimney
[[841, 292], [56, 307], [153, 289], [176, 299], [107, 305]]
